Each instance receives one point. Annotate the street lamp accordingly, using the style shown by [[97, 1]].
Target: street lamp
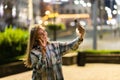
[[94, 17], [1, 10], [30, 12], [118, 15]]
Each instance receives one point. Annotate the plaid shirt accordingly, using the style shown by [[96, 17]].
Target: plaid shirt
[[50, 67]]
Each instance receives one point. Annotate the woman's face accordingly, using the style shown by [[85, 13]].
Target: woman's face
[[42, 36]]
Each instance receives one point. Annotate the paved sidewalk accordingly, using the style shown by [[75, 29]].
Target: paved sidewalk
[[88, 72]]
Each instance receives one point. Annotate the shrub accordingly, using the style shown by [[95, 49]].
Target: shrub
[[102, 51], [55, 28], [13, 43], [59, 26]]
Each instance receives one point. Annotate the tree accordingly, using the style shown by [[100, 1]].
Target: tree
[[8, 13], [55, 28]]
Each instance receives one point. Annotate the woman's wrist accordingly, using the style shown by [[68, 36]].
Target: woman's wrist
[[81, 39]]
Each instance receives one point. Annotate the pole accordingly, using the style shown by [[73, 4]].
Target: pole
[[94, 17], [54, 22], [30, 12]]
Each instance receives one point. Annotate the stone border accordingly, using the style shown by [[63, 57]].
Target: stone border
[[103, 58], [18, 67], [83, 58], [12, 68], [69, 59], [79, 58]]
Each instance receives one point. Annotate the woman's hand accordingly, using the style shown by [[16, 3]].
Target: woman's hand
[[81, 31]]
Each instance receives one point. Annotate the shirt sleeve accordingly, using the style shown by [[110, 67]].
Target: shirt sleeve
[[67, 46]]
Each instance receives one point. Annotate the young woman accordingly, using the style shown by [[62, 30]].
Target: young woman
[[45, 57]]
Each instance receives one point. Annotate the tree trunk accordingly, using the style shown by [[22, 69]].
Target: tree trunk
[[54, 34]]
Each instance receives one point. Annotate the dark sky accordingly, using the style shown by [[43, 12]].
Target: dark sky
[[110, 3]]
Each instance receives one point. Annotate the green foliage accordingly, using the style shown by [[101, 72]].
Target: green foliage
[[13, 42], [56, 26], [102, 51]]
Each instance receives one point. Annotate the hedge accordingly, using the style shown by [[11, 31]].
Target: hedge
[[13, 43], [102, 51]]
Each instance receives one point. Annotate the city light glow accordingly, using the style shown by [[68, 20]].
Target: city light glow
[[64, 0], [47, 0], [76, 2], [6, 6], [89, 4], [55, 0], [1, 10], [118, 2], [14, 11], [114, 12], [47, 12], [118, 11]]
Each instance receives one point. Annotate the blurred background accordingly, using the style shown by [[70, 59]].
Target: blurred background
[[100, 18]]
